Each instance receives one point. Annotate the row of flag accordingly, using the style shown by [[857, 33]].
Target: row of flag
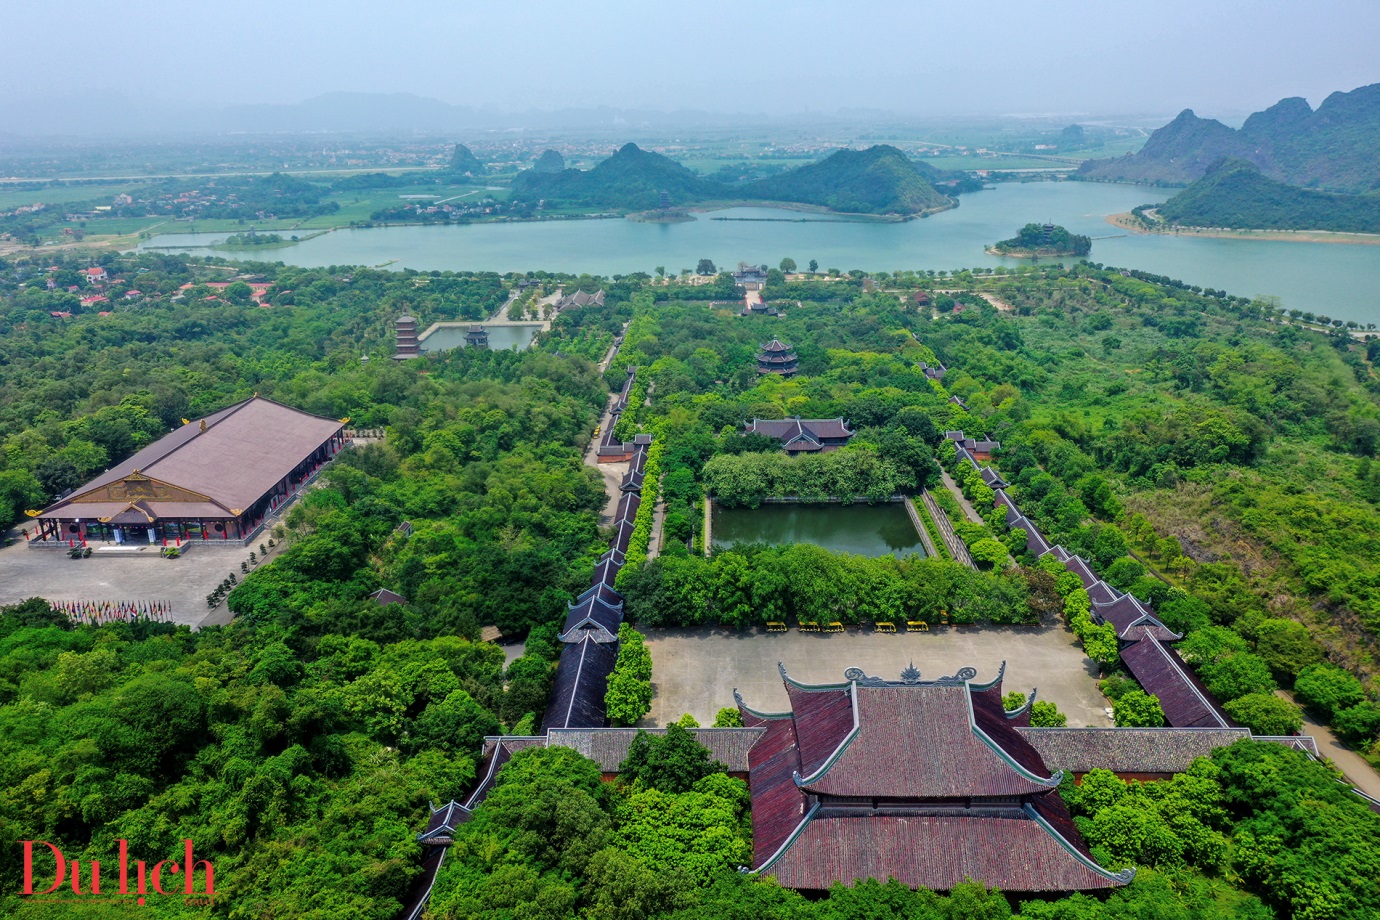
[[96, 613]]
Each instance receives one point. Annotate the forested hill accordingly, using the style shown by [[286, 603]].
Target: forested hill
[[878, 180], [1333, 147], [1235, 194], [632, 178]]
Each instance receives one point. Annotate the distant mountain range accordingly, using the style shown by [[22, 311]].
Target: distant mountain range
[[1336, 147], [1235, 194], [878, 180]]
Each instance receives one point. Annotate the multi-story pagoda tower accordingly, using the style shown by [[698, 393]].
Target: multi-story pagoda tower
[[405, 328], [776, 357]]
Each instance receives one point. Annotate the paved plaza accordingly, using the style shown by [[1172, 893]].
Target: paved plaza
[[696, 671], [125, 575]]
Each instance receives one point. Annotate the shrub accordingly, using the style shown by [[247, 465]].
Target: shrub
[[1137, 709], [1328, 689], [1265, 714]]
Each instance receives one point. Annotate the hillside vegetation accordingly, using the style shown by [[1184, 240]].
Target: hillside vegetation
[[632, 178], [1333, 147], [1235, 194], [879, 180]]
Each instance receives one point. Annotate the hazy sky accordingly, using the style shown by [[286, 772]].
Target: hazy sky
[[921, 56]]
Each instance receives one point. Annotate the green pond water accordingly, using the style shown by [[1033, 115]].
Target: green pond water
[[1341, 280], [864, 530], [501, 338]]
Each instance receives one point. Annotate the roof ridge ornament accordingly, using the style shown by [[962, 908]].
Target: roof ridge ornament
[[910, 677]]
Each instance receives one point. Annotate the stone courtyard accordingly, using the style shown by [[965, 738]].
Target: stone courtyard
[[126, 574], [696, 671]]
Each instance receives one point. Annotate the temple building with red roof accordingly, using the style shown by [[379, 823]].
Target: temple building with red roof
[[212, 479], [927, 781]]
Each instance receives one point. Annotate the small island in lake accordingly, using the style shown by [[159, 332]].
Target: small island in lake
[[1036, 240], [662, 216], [252, 240]]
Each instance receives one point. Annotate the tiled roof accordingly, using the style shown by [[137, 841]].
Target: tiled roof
[[778, 804], [443, 824], [1126, 613], [577, 696], [819, 429], [1006, 848], [824, 720], [243, 452], [608, 747], [878, 755], [993, 478], [776, 346], [1079, 566], [1160, 670], [1102, 593], [1128, 750]]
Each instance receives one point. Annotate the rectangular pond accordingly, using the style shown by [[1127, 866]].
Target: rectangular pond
[[864, 530], [501, 337]]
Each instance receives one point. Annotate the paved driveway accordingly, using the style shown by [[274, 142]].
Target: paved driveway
[[696, 671], [124, 576]]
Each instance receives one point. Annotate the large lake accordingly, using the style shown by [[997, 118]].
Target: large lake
[[864, 530], [1341, 280]]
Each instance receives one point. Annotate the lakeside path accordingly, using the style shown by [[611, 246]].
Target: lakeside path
[[1125, 222]]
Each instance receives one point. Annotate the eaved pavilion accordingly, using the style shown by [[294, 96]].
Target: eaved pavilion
[[212, 479], [926, 781]]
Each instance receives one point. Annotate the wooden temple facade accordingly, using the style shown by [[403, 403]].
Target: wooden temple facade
[[212, 479]]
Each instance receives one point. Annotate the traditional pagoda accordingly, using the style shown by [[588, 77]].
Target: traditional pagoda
[[925, 781], [776, 357], [405, 328], [477, 335]]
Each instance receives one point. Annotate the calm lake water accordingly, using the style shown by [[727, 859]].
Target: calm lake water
[[500, 337], [864, 530], [1341, 280]]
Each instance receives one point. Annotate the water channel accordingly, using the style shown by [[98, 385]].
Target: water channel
[[1341, 280], [864, 530]]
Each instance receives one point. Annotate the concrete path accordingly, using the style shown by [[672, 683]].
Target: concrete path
[[658, 524], [696, 670], [957, 549], [1353, 766], [963, 502], [613, 473]]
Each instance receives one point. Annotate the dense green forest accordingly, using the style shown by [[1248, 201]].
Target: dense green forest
[[298, 747], [1332, 147], [1235, 194]]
